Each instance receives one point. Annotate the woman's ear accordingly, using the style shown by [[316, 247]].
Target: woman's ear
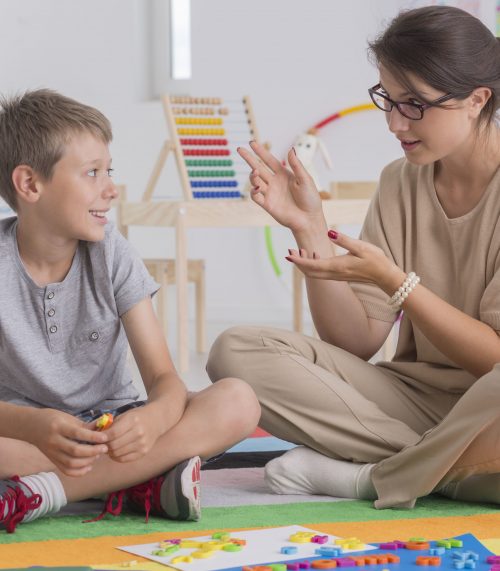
[[478, 99], [25, 182]]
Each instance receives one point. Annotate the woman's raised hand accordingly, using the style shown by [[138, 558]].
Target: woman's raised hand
[[290, 197]]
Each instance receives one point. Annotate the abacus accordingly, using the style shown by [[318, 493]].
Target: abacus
[[204, 135]]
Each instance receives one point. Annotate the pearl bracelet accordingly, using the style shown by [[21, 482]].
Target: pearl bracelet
[[404, 290]]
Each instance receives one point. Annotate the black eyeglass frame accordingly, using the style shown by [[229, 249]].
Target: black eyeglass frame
[[420, 106]]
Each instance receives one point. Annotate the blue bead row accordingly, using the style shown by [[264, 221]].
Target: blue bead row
[[217, 194], [213, 183]]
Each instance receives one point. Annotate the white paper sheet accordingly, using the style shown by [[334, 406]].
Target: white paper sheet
[[263, 546]]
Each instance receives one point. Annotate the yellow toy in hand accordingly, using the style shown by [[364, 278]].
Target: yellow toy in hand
[[104, 421]]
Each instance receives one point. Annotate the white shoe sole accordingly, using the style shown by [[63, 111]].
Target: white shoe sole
[[190, 486]]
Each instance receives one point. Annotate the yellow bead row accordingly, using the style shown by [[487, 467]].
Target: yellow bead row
[[197, 121], [184, 131]]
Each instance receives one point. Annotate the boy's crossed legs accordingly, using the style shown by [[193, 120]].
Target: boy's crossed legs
[[214, 419]]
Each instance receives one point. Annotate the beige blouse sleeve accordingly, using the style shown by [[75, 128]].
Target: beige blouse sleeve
[[489, 307]]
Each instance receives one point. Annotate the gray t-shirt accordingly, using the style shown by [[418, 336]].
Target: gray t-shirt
[[63, 346]]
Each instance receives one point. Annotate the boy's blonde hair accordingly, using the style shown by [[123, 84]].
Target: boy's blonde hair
[[34, 129]]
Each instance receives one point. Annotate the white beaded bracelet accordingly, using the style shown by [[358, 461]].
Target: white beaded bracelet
[[404, 290]]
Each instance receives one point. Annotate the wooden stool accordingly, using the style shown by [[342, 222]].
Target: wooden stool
[[163, 271]]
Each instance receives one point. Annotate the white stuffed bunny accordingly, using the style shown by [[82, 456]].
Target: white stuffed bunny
[[306, 146]]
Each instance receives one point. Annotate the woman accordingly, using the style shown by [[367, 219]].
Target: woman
[[430, 247]]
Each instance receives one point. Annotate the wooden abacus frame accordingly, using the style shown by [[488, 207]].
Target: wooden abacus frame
[[174, 144], [221, 213]]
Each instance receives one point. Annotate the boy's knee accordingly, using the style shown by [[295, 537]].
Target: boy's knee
[[240, 402]]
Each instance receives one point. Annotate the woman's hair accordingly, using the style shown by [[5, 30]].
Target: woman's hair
[[34, 130], [447, 48]]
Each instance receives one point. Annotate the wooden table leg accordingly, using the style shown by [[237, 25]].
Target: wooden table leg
[[201, 314], [181, 264]]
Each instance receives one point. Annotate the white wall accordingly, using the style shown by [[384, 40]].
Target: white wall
[[299, 60]]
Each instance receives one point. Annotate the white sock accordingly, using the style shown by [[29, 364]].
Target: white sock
[[49, 486], [304, 471], [478, 488]]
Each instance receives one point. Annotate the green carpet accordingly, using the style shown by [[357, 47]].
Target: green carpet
[[71, 527]]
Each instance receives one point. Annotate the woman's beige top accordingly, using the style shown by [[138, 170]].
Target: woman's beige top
[[457, 259]]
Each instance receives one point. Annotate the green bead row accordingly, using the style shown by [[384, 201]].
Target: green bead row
[[209, 163], [210, 173]]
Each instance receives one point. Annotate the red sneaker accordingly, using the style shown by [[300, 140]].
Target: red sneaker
[[173, 495], [16, 500]]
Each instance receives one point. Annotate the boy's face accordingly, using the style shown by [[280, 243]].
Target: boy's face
[[75, 200]]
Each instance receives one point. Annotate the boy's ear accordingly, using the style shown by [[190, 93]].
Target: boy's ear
[[24, 180]]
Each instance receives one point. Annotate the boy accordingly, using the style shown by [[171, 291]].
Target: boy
[[72, 293]]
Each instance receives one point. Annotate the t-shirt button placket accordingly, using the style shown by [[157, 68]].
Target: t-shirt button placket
[[51, 312]]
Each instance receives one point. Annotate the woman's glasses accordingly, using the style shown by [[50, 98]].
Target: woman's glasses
[[413, 111]]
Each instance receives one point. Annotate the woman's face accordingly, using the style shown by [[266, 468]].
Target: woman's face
[[442, 132]]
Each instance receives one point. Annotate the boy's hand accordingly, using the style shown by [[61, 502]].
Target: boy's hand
[[132, 435], [67, 441]]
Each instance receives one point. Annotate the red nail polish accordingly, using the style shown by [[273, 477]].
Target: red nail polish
[[289, 251], [288, 258], [294, 151], [332, 234]]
